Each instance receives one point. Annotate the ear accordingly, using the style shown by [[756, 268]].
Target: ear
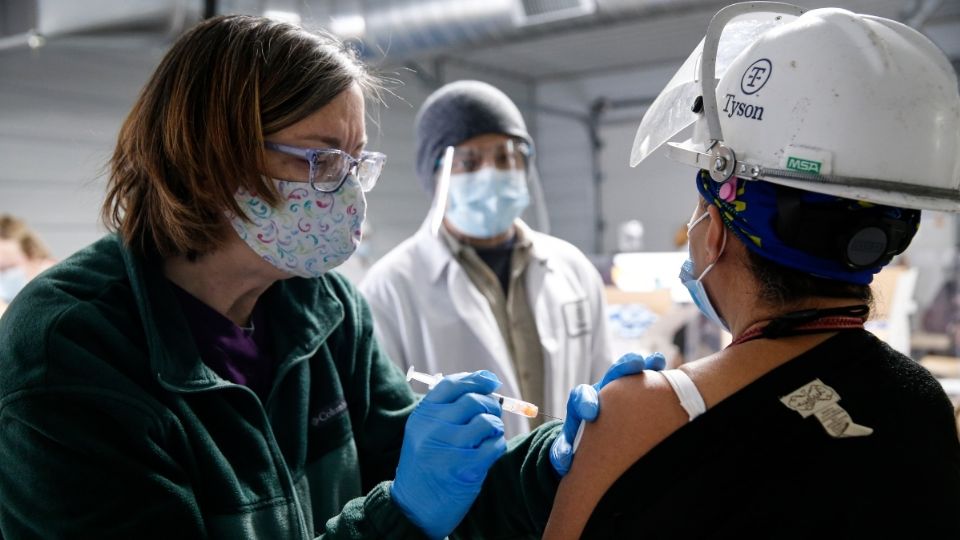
[[715, 233]]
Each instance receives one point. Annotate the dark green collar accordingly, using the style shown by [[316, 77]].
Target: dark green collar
[[301, 314]]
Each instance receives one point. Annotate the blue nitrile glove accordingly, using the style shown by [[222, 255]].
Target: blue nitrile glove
[[452, 438], [584, 404]]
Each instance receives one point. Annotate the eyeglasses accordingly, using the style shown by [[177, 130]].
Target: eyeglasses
[[509, 155], [327, 168]]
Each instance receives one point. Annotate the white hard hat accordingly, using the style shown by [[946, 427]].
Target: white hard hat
[[826, 101]]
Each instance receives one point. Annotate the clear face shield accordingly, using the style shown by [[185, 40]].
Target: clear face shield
[[482, 189], [691, 93]]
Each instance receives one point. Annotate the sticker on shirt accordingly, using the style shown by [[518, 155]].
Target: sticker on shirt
[[576, 318], [821, 401]]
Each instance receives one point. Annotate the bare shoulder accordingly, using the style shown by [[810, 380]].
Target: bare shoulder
[[636, 414]]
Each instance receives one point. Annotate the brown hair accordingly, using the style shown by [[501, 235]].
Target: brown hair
[[783, 286], [196, 133], [15, 229]]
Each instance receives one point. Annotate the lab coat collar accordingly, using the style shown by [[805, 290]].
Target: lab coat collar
[[539, 251], [434, 253]]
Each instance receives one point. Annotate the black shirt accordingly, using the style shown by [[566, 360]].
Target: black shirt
[[750, 467], [498, 259]]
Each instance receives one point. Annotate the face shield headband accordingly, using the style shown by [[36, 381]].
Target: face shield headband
[[751, 210]]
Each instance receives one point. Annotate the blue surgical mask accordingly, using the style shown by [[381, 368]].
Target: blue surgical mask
[[485, 203], [11, 281], [695, 286]]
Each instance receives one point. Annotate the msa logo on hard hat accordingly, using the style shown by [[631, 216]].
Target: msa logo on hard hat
[[803, 165]]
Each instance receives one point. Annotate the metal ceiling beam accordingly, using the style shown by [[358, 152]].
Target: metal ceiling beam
[[405, 29], [32, 22]]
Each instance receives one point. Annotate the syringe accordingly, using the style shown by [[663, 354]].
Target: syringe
[[508, 404]]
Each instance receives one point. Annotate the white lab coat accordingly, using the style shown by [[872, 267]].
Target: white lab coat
[[428, 314]]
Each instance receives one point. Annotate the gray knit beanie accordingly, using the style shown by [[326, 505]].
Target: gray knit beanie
[[459, 111]]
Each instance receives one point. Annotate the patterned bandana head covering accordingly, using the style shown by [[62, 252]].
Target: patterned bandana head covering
[[749, 209]]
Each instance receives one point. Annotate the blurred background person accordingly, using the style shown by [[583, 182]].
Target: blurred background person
[[487, 291], [23, 255]]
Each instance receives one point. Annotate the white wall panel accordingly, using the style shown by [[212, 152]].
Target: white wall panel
[[60, 109], [659, 192], [65, 213], [567, 178], [651, 194], [51, 158], [397, 205]]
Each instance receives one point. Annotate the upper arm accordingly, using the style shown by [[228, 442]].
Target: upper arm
[[636, 414]]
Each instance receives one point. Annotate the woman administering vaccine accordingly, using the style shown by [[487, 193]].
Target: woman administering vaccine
[[201, 373]]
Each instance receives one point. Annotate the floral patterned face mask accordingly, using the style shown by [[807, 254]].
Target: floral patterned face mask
[[309, 232]]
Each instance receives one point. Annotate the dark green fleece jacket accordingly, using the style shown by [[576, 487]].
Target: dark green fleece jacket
[[111, 426]]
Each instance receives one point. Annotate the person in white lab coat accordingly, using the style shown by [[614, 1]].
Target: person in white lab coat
[[487, 291]]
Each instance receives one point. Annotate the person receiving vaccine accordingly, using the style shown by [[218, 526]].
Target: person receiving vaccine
[[815, 139], [485, 289]]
